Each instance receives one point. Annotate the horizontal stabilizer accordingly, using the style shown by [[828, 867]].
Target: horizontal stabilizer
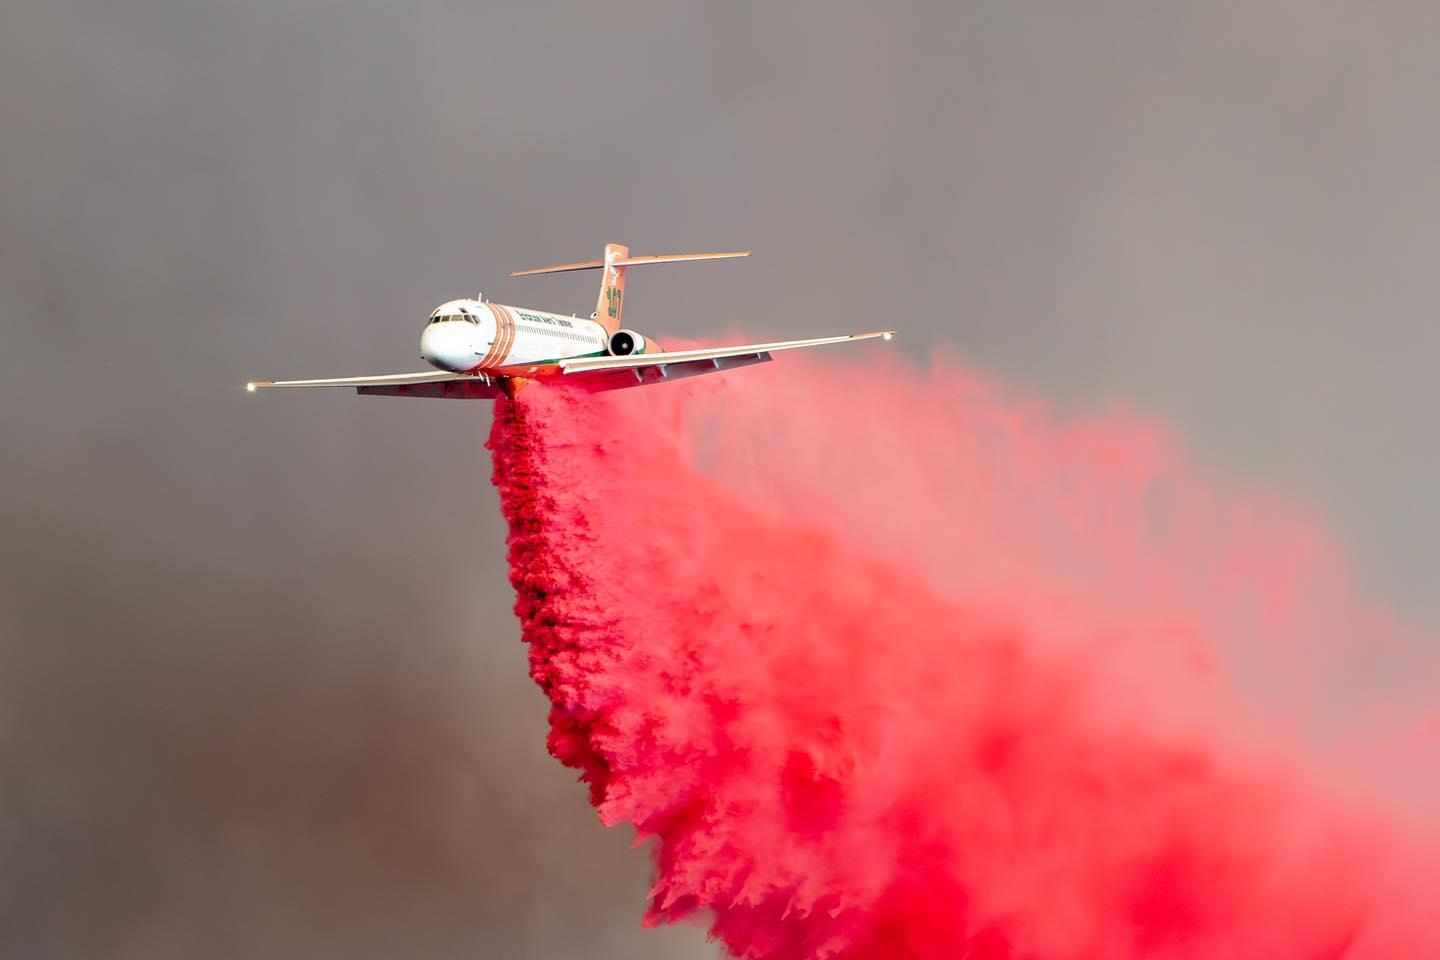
[[631, 262]]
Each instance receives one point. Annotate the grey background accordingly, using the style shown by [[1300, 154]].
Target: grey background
[[260, 688]]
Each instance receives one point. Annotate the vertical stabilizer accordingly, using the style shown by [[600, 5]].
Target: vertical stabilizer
[[612, 287]]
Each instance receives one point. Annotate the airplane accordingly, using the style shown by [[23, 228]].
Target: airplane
[[481, 349]]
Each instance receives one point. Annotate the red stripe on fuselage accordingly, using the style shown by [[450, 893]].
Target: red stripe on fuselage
[[509, 339], [495, 344]]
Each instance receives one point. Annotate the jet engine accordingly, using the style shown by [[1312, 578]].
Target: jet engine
[[626, 343]]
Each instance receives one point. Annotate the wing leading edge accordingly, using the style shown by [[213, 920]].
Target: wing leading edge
[[429, 383]]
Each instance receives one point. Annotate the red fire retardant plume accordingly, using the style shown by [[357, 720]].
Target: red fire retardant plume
[[892, 664]]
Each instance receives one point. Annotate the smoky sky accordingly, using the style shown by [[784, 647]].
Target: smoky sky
[[261, 689]]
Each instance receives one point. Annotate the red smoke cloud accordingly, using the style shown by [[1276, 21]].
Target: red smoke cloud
[[892, 665]]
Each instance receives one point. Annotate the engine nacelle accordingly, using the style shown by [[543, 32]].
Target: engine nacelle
[[628, 343]]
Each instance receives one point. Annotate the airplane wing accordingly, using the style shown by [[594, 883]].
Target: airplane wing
[[616, 372], [596, 373], [428, 383]]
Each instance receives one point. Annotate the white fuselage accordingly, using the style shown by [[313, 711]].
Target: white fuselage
[[471, 336]]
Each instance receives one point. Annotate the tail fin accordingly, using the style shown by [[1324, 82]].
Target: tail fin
[[612, 287], [612, 284]]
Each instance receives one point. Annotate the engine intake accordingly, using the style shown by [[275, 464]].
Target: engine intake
[[625, 343]]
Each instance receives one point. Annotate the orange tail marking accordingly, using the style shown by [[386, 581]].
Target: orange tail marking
[[612, 287]]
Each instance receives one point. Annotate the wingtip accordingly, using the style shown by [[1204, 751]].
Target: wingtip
[[252, 385]]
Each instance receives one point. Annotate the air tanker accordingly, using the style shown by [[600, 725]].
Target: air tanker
[[480, 349]]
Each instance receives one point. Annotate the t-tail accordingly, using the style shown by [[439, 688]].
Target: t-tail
[[612, 282], [612, 287]]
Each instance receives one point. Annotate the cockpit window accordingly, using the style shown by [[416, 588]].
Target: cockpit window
[[452, 316]]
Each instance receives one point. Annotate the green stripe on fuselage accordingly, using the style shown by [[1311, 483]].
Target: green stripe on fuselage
[[573, 356]]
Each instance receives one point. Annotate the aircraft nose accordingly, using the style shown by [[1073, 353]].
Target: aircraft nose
[[450, 345]]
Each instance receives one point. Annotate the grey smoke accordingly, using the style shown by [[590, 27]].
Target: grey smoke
[[261, 693]]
